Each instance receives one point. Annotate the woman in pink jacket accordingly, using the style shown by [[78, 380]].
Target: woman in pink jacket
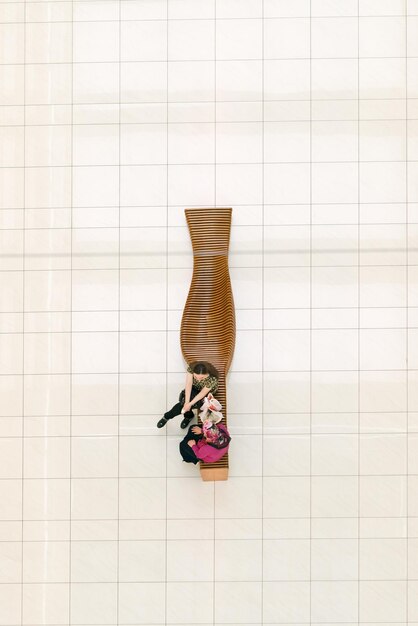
[[208, 444]]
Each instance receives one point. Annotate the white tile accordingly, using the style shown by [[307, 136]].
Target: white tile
[[142, 561], [184, 74], [47, 395], [286, 141], [334, 37], [287, 601], [328, 8], [96, 41], [248, 351], [335, 454], [334, 79], [142, 498], [286, 287], [382, 78], [189, 498], [95, 82], [94, 457], [334, 182], [190, 560], [238, 142], [143, 9], [143, 82], [382, 496], [46, 499], [94, 498], [142, 456], [340, 423], [333, 601], [238, 184], [238, 602], [382, 140], [94, 603], [48, 42], [94, 394], [237, 560], [287, 183], [286, 497], [383, 391], [286, 80], [48, 145], [96, 144], [334, 496], [286, 455], [383, 244], [95, 352], [334, 349], [12, 79], [286, 38], [286, 350], [382, 36], [391, 185], [382, 287], [381, 600], [286, 392], [11, 353], [238, 8], [239, 80], [238, 39], [281, 8], [136, 395], [11, 553], [11, 388], [141, 603], [46, 457], [191, 9], [286, 560], [45, 602], [46, 562], [382, 7], [93, 11], [12, 146], [190, 39], [383, 349], [142, 144], [143, 41], [11, 459], [190, 143], [334, 141], [375, 556], [93, 561], [326, 553], [334, 286], [191, 185], [47, 353], [12, 181]]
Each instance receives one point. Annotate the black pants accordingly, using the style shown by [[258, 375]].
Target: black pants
[[176, 409], [185, 450]]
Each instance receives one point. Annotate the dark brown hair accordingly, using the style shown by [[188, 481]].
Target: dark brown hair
[[203, 367]]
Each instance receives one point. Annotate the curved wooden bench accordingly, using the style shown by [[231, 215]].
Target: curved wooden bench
[[208, 323]]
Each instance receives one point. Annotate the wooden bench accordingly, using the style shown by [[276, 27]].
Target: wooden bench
[[208, 323]]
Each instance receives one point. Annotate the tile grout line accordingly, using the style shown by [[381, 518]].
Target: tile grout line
[[407, 311], [358, 315], [70, 564], [166, 313], [310, 309], [118, 605], [262, 301], [22, 490]]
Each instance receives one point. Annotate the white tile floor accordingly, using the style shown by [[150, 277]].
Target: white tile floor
[[302, 115]]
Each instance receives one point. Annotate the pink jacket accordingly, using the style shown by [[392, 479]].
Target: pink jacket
[[208, 453]]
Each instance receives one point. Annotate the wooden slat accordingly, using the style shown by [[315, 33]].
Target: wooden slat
[[208, 323]]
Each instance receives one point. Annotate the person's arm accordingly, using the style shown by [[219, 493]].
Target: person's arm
[[188, 387], [203, 452], [204, 392]]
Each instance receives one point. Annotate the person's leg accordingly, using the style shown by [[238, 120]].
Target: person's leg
[[185, 450], [175, 410]]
